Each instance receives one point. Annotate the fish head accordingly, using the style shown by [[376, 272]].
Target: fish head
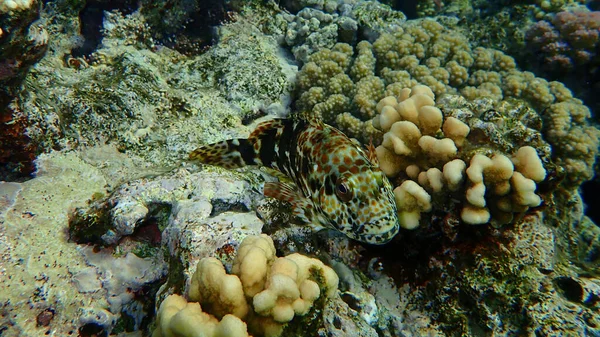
[[361, 205]]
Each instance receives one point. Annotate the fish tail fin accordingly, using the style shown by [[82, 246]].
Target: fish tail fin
[[229, 154]]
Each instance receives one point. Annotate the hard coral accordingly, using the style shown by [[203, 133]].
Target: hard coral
[[176, 318], [265, 291], [568, 41], [416, 148], [426, 52], [222, 294]]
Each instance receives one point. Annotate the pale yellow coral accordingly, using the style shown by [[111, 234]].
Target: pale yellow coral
[[411, 200], [454, 173], [222, 294], [252, 262], [408, 109], [178, 318], [403, 138], [456, 130], [432, 179], [438, 149], [527, 161], [524, 191], [291, 288], [475, 215], [388, 161]]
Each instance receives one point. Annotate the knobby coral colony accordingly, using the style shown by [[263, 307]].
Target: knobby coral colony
[[264, 290], [339, 185], [419, 143], [472, 155]]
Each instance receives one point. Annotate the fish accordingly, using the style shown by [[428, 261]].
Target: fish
[[337, 184]]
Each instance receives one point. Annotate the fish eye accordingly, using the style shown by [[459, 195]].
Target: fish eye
[[342, 190]]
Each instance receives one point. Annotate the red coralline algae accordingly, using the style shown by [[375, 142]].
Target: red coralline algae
[[16, 151]]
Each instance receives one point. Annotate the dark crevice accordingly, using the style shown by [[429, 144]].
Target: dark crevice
[[591, 198], [92, 329], [569, 288], [91, 18], [190, 33]]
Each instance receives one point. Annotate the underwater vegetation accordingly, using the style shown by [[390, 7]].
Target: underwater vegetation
[[479, 119]]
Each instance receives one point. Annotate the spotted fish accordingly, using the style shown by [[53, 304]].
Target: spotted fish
[[337, 184]]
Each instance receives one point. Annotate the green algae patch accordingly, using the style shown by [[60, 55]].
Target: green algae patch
[[88, 225]]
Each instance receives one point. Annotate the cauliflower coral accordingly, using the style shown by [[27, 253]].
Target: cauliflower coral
[[265, 291]]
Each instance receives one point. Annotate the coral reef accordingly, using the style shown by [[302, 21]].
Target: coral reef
[[566, 48], [53, 286], [114, 222], [344, 88], [322, 25], [430, 155], [185, 26], [486, 9], [177, 317], [7, 6], [150, 101]]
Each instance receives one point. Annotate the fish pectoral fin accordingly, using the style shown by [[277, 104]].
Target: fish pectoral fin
[[301, 206]]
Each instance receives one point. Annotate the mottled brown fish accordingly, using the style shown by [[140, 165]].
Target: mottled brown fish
[[337, 184]]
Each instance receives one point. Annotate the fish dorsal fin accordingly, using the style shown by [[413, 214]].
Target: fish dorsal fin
[[265, 126], [309, 117]]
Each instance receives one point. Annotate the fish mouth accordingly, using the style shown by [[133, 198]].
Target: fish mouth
[[378, 238]]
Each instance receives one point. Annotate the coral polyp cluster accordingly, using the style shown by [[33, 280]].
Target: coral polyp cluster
[[434, 161], [344, 86], [566, 41], [264, 290]]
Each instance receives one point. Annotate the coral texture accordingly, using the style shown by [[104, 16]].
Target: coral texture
[[278, 290], [178, 318], [344, 86], [430, 155], [14, 5], [569, 40]]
